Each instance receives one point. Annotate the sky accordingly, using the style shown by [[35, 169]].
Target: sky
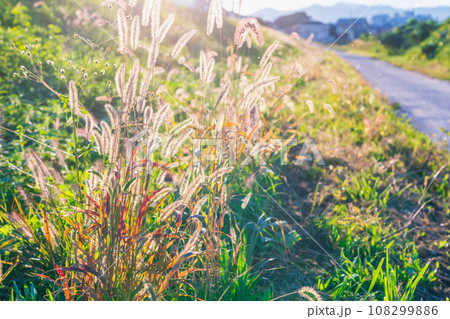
[[250, 6]]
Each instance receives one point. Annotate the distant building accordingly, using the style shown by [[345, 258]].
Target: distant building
[[409, 15], [321, 32], [345, 30], [380, 23], [356, 28], [398, 20], [380, 20], [423, 17]]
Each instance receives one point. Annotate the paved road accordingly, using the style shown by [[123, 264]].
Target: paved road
[[425, 100]]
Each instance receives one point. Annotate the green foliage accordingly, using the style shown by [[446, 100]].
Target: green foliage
[[437, 45], [408, 35]]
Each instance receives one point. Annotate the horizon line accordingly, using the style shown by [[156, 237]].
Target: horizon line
[[358, 4]]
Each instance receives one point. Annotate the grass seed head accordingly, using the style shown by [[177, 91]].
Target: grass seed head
[[330, 110], [135, 30], [181, 43], [155, 18], [73, 97], [309, 294], [268, 54], [146, 11], [310, 105], [246, 200], [165, 27], [120, 80], [123, 31], [113, 115], [246, 27]]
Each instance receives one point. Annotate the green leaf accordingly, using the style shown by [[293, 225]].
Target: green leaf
[[127, 185], [375, 276]]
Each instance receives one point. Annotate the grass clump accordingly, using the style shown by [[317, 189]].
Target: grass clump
[[128, 203]]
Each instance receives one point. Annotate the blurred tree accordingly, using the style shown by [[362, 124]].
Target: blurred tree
[[293, 19]]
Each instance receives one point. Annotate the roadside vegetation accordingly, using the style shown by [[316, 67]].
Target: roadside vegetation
[[107, 195], [421, 46]]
